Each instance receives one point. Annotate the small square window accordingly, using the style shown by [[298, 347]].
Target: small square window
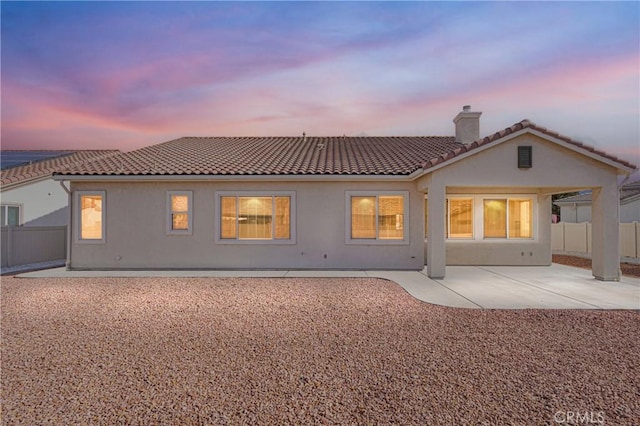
[[525, 157]]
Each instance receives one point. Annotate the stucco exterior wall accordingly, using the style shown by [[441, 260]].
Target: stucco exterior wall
[[44, 203], [136, 230]]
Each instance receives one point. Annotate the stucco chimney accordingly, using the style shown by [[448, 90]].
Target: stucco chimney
[[467, 125]]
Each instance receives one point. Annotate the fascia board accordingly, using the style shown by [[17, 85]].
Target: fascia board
[[237, 178], [583, 151]]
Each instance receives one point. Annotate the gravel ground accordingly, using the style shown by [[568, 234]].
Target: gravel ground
[[629, 269], [302, 351]]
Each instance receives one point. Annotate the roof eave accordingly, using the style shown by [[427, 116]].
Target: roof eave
[[243, 178]]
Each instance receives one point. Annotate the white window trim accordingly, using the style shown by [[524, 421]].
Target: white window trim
[[376, 241], [20, 212], [78, 213], [169, 212], [281, 241]]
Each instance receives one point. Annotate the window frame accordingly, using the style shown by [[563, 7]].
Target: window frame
[[169, 213], [377, 241], [478, 217], [243, 194], [78, 211], [5, 206], [448, 218], [508, 198]]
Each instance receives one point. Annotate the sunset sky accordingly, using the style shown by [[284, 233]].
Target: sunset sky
[[86, 75]]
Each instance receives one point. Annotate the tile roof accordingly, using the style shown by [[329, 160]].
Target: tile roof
[[338, 155], [17, 175], [524, 124], [275, 156]]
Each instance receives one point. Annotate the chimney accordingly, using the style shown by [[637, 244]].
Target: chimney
[[467, 125]]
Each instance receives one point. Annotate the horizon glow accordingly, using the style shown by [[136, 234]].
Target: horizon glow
[[95, 75]]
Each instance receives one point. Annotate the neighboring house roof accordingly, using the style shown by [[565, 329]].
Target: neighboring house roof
[[341, 155], [13, 158], [23, 174], [628, 193]]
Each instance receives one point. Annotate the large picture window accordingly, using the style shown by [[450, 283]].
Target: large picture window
[[476, 217], [91, 216], [256, 217], [179, 212], [377, 217]]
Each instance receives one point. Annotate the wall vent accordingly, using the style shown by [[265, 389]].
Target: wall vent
[[525, 157]]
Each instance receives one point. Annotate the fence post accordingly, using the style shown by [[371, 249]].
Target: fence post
[[637, 237], [9, 246]]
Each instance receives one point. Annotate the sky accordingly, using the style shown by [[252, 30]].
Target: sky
[[122, 75]]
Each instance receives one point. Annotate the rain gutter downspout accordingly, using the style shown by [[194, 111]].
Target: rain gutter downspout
[[68, 260]]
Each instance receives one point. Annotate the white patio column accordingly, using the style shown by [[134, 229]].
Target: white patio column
[[605, 233], [436, 247]]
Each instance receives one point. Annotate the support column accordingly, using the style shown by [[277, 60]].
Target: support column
[[436, 219], [605, 251]]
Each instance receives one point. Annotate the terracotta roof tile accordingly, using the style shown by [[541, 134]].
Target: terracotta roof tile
[[40, 169], [339, 155], [275, 156]]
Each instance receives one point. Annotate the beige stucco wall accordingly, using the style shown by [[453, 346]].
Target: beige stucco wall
[[136, 235], [136, 218], [495, 170]]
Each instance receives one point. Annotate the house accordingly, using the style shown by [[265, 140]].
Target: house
[[340, 202], [577, 209], [28, 194]]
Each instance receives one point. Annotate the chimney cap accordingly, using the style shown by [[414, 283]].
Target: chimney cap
[[466, 108]]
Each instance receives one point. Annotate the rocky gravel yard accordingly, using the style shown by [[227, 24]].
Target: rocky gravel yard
[[629, 269], [185, 351]]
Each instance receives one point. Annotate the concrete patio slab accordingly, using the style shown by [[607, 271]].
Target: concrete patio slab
[[423, 288], [488, 287], [547, 287]]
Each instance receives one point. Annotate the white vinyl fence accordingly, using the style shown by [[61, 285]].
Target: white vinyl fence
[[22, 245], [575, 238]]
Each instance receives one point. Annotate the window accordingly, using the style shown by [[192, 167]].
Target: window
[[477, 218], [91, 223], [179, 212], [459, 218], [508, 218], [10, 215], [377, 217], [256, 217]]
